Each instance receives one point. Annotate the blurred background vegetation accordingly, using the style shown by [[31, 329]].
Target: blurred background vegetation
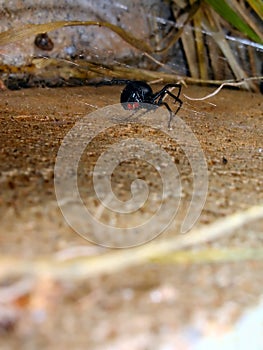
[[195, 41], [221, 39]]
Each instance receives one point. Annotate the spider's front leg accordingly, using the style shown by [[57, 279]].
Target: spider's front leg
[[159, 96], [170, 112], [176, 99], [165, 91]]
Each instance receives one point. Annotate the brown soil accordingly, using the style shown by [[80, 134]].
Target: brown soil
[[144, 307]]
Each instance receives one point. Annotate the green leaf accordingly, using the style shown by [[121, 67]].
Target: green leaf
[[226, 12]]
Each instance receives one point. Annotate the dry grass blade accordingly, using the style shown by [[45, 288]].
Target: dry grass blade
[[212, 25], [53, 68], [16, 34], [211, 256], [200, 45], [205, 41], [191, 12], [188, 41], [114, 261]]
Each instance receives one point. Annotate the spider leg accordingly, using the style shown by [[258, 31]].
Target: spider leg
[[159, 96], [170, 112], [179, 86], [165, 90], [176, 98]]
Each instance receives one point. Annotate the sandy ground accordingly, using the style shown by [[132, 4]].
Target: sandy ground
[[156, 305]]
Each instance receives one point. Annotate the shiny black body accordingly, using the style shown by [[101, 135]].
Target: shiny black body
[[138, 92], [43, 42]]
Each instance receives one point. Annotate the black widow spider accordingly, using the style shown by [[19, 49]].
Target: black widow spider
[[137, 92]]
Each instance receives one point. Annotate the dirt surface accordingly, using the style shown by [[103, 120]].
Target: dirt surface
[[152, 306]]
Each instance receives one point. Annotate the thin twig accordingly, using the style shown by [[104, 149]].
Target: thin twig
[[118, 260], [236, 83]]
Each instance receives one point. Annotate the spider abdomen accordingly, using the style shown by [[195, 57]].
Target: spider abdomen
[[134, 93]]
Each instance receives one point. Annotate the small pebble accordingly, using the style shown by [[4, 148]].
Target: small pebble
[[224, 160]]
